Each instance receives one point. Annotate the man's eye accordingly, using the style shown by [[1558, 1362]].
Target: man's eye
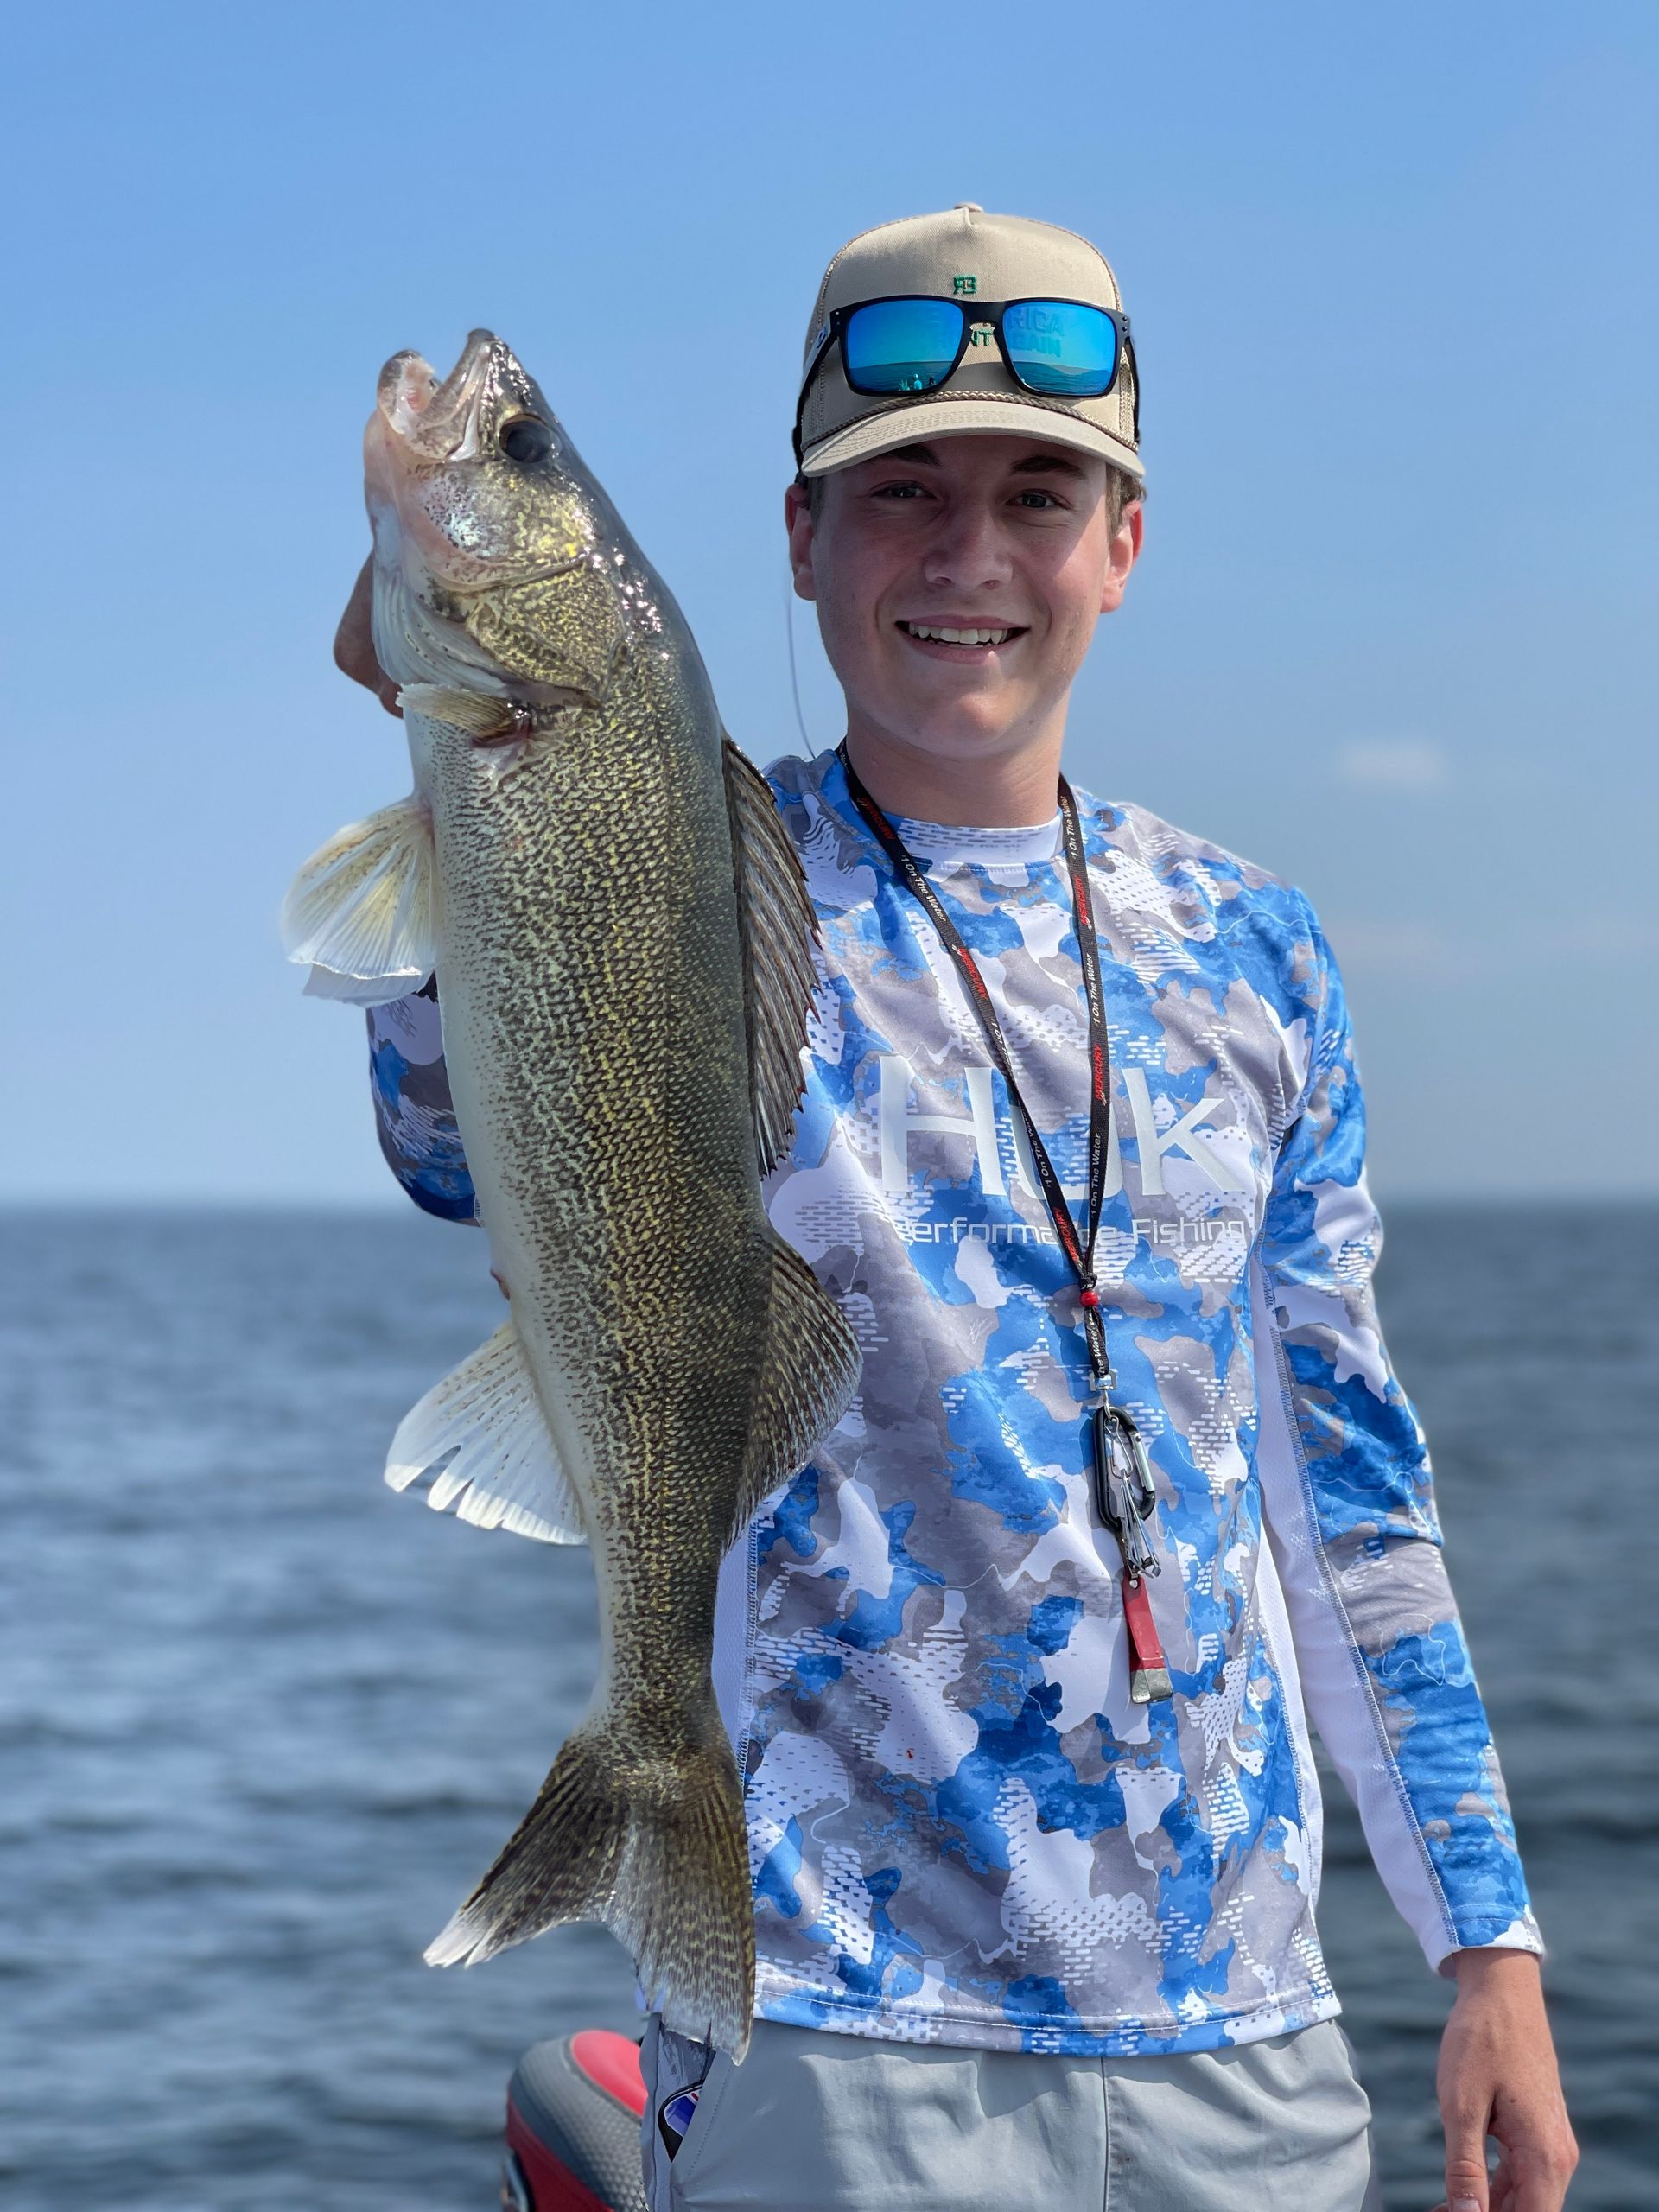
[[1035, 499], [906, 491]]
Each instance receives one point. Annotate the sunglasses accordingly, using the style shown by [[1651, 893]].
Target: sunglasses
[[914, 342]]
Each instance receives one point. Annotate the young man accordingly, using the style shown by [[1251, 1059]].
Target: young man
[[1021, 1713]]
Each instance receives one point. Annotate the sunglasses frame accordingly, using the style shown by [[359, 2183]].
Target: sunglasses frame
[[975, 313]]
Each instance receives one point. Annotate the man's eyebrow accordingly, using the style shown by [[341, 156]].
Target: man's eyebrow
[[912, 453], [1047, 464]]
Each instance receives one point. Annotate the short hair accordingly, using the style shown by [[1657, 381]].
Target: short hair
[[1123, 490]]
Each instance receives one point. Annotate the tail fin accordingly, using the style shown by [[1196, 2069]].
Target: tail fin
[[653, 1846]]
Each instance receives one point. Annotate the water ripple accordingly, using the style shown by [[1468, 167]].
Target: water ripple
[[266, 1722]]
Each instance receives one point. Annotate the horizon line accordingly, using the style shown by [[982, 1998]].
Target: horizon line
[[392, 1208]]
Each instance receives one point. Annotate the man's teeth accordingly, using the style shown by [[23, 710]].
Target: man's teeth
[[958, 637]]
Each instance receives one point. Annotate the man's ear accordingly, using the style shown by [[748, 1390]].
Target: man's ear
[[798, 520], [1121, 554]]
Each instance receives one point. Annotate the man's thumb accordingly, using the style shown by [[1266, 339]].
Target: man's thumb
[[1465, 2163]]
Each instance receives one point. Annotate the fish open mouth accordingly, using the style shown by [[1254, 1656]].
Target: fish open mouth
[[460, 508], [443, 419]]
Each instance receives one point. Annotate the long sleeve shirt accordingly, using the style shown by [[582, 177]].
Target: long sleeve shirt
[[962, 1828]]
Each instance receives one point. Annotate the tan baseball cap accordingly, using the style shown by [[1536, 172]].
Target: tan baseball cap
[[965, 255]]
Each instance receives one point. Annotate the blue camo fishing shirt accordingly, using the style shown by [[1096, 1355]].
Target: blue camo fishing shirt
[[962, 1829]]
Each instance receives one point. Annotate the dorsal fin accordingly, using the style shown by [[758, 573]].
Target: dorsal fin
[[780, 931]]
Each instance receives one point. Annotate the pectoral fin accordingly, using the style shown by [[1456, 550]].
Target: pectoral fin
[[780, 931], [482, 1436], [362, 906], [479, 713]]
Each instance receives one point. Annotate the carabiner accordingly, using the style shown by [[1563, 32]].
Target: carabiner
[[1146, 1490], [1124, 1496]]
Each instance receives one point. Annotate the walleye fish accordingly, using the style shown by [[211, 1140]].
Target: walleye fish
[[623, 945]]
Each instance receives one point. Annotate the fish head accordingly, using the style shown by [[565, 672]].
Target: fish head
[[494, 548]]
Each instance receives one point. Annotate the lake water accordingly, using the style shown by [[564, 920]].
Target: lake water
[[262, 1723]]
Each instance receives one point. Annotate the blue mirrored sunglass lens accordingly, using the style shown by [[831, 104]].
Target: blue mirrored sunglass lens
[[901, 345], [1060, 349]]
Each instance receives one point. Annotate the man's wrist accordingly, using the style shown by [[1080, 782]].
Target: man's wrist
[[1481, 1966]]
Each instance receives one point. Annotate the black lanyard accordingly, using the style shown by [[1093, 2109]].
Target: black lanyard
[[1124, 1494]]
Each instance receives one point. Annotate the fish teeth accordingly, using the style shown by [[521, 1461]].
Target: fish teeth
[[957, 636]]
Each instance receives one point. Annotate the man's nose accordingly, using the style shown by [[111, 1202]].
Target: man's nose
[[966, 549]]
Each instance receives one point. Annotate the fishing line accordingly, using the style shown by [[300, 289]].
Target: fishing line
[[794, 676]]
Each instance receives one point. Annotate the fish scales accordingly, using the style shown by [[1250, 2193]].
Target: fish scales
[[643, 968], [622, 943]]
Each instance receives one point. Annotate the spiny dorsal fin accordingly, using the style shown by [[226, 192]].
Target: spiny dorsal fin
[[484, 1431], [780, 931], [362, 906]]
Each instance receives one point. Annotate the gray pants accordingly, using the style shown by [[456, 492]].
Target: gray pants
[[812, 2122]]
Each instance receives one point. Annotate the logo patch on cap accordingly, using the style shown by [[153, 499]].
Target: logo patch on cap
[[852, 407]]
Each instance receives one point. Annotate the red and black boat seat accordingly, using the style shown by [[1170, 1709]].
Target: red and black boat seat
[[573, 2127]]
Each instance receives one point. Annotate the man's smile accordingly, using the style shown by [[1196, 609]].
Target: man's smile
[[959, 640]]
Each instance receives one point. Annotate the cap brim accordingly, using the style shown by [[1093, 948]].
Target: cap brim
[[920, 419]]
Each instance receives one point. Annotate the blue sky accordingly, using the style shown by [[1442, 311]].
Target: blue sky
[[1391, 277]]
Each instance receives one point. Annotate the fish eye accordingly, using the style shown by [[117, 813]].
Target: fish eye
[[526, 441]]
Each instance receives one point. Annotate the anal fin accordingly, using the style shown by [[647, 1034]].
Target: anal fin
[[482, 1436]]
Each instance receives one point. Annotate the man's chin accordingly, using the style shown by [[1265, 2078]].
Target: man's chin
[[968, 730]]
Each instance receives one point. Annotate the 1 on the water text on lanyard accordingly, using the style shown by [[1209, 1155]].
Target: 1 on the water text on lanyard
[[1124, 1494]]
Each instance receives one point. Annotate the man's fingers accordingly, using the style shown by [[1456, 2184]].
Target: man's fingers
[[354, 642], [1465, 2187], [1540, 2177], [1498, 2076], [1538, 2154]]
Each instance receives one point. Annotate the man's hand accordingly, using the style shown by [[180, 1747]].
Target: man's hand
[[354, 642], [1498, 2076]]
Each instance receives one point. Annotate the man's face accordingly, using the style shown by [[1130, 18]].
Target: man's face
[[1004, 535]]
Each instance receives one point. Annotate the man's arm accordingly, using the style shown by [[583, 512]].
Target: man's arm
[[414, 1113], [1385, 1668]]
